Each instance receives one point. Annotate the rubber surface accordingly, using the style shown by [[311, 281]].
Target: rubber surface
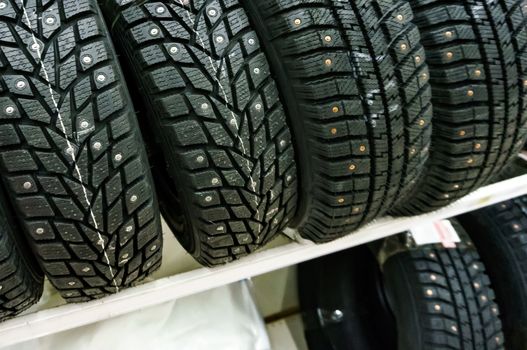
[[517, 167], [71, 156], [477, 54], [342, 302], [215, 111], [21, 281], [422, 298], [353, 78], [442, 299], [500, 234]]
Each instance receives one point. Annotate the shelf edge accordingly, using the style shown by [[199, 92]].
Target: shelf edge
[[70, 316]]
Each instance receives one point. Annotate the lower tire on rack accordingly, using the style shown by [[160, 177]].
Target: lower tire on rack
[[222, 139], [71, 154], [500, 234], [440, 299], [21, 280], [476, 55], [341, 293], [354, 81]]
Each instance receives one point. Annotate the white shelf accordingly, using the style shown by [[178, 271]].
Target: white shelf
[[64, 317]]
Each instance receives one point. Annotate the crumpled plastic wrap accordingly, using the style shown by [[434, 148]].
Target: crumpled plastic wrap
[[222, 318]]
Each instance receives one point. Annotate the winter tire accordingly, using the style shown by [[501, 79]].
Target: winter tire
[[214, 108], [452, 300], [71, 155], [500, 234], [476, 53], [354, 81], [426, 298]]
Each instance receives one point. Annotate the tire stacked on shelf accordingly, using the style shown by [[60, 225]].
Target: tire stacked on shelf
[[476, 54], [422, 298], [71, 154], [500, 234], [354, 81], [214, 108], [353, 78]]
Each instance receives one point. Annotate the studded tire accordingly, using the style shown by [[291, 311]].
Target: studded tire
[[71, 155], [354, 81], [222, 135], [442, 299], [476, 54], [21, 280], [421, 298], [500, 234]]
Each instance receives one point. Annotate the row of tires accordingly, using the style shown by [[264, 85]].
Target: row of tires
[[427, 297], [257, 115]]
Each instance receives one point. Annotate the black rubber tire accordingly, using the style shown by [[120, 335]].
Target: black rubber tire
[[500, 234], [215, 111], [459, 314], [358, 99], [442, 299], [21, 280], [349, 282], [476, 53], [517, 167], [71, 155]]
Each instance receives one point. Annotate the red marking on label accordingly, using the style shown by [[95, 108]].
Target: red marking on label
[[445, 237]]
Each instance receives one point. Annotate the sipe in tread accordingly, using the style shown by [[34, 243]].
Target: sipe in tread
[[223, 144], [354, 81], [71, 155], [476, 55], [21, 280]]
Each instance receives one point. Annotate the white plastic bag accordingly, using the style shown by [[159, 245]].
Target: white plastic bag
[[222, 318]]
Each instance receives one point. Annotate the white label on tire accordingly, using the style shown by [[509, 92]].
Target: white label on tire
[[436, 232]]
